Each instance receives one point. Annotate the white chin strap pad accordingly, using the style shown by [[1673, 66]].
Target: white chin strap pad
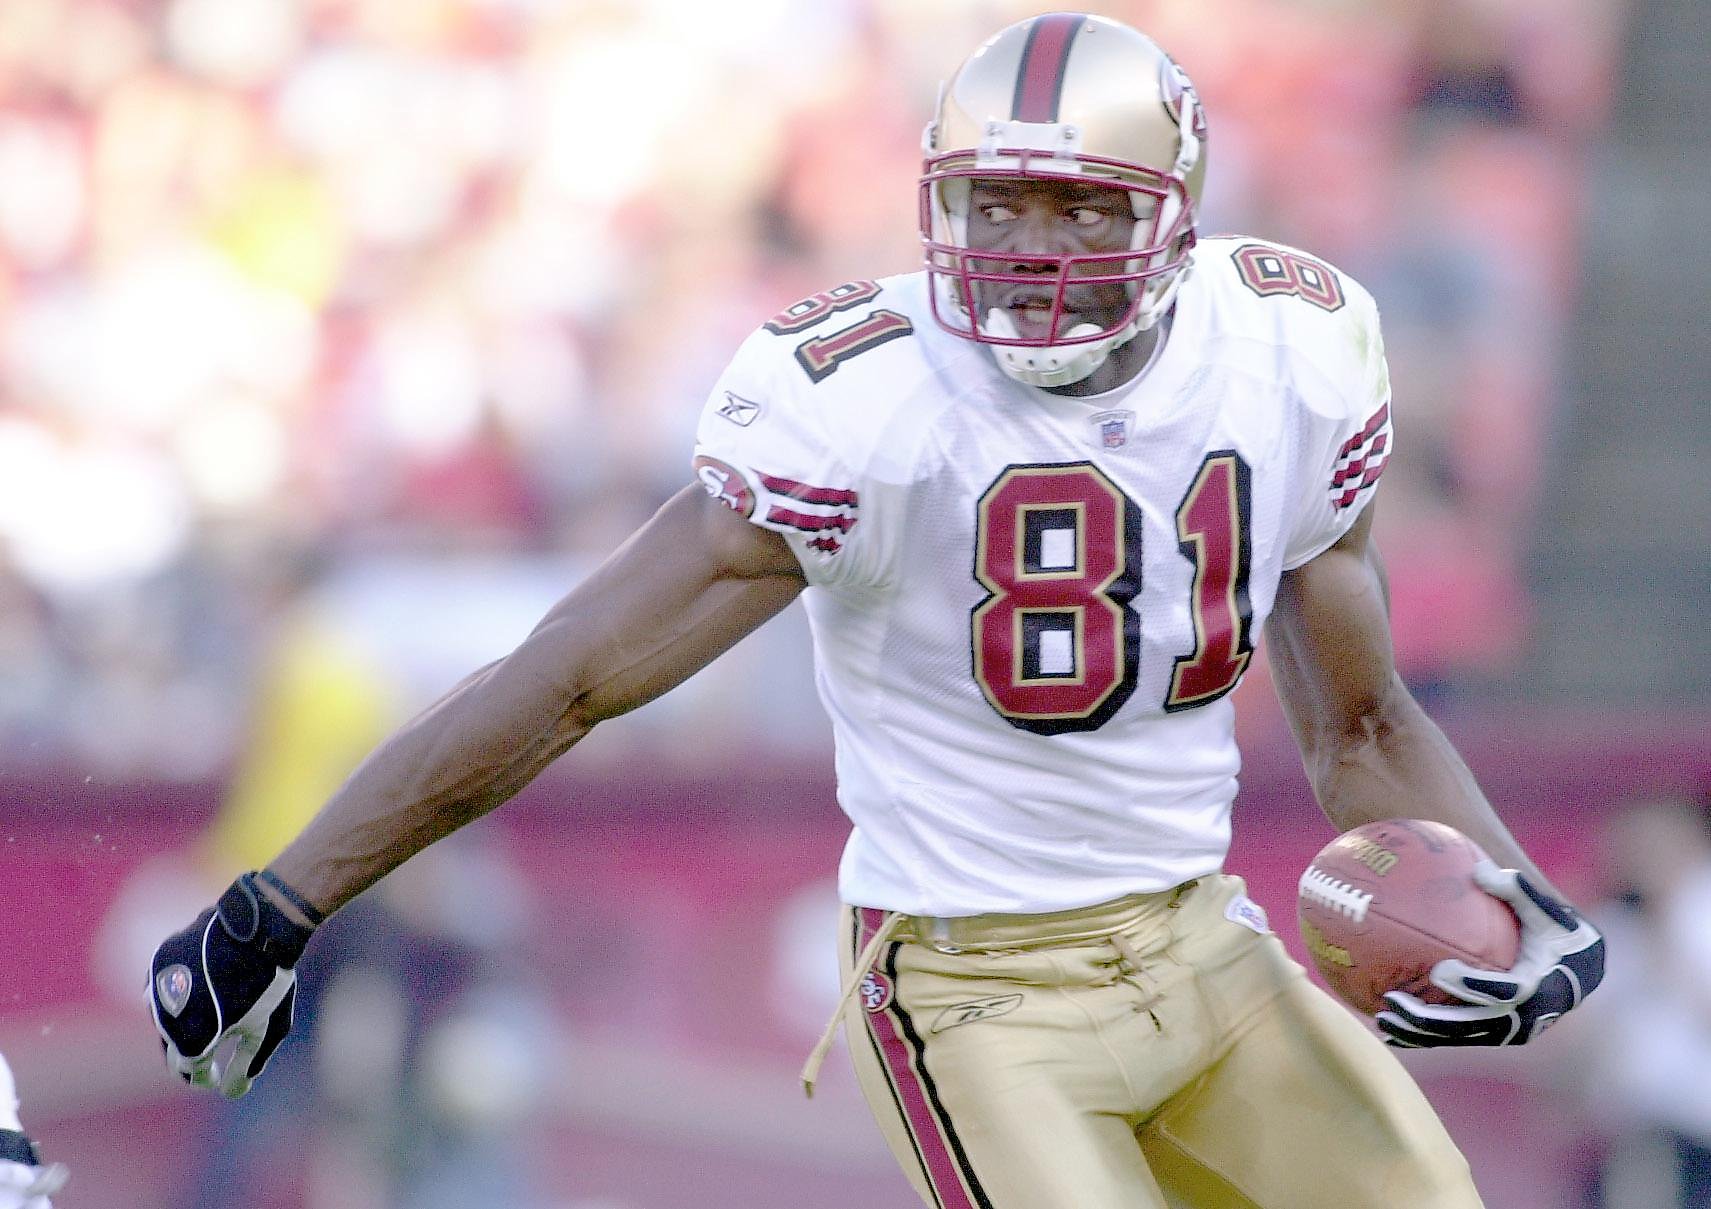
[[1055, 364]]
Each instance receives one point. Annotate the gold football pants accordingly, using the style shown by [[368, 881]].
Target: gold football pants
[[1151, 1052]]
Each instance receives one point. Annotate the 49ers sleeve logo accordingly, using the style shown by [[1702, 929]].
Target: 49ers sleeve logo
[[1273, 272], [725, 484]]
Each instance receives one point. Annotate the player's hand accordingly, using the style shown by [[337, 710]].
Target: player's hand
[[25, 1181], [1560, 963], [228, 977]]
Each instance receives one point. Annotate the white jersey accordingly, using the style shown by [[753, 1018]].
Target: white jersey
[[1028, 609]]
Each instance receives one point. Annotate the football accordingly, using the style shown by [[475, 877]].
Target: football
[[1384, 902]]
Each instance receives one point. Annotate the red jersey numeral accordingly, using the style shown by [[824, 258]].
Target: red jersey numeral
[[1056, 643], [1056, 646], [1212, 533]]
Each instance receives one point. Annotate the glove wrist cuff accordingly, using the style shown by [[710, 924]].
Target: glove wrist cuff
[[278, 885], [250, 917], [16, 1147]]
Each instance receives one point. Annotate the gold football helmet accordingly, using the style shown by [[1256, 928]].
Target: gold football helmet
[[1064, 95]]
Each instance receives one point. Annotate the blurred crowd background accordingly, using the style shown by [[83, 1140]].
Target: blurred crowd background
[[289, 288], [339, 337]]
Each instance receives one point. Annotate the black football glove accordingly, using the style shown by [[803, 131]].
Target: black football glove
[[229, 977], [1561, 962]]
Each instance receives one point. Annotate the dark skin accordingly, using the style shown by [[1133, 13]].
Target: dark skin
[[696, 578], [1058, 218]]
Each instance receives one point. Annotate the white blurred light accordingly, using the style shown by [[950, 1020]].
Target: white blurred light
[[273, 342], [554, 258], [157, 335], [233, 455], [241, 43], [481, 1070], [399, 132], [607, 106], [540, 381], [42, 203], [79, 518], [28, 457], [430, 382]]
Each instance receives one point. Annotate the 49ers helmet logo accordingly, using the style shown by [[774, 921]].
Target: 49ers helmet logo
[[1177, 90]]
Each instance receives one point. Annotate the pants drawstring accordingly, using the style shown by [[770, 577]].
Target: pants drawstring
[[1135, 974], [864, 963]]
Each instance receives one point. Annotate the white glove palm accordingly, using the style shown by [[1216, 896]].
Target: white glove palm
[[23, 1186]]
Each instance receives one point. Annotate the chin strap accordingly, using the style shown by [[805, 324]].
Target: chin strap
[[1054, 364]]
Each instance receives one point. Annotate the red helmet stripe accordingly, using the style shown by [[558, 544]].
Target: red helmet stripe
[[1039, 80]]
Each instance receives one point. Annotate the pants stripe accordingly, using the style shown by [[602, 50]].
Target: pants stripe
[[903, 1055], [857, 944]]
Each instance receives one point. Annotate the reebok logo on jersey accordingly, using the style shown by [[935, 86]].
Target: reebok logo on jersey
[[976, 1009], [738, 410]]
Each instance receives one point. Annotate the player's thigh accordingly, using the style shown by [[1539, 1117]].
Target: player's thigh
[[961, 1152], [1306, 1109], [998, 1093]]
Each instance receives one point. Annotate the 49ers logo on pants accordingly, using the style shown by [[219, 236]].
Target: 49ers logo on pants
[[875, 991]]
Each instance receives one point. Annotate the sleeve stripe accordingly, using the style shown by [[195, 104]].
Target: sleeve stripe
[[1365, 434], [809, 494], [1359, 464], [1366, 480], [807, 523]]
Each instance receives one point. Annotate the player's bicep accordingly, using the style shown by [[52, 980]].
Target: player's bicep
[[683, 589], [1329, 639]]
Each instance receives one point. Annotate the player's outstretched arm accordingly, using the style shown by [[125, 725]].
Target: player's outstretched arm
[[1372, 753], [682, 590]]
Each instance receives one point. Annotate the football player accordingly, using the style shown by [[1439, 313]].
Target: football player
[[25, 1181], [1039, 500]]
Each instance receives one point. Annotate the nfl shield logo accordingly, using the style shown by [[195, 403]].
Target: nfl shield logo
[[1113, 428]]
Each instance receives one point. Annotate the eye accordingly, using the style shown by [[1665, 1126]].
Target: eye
[[996, 213], [1087, 216]]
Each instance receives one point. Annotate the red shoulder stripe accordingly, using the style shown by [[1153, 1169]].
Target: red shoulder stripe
[[810, 494]]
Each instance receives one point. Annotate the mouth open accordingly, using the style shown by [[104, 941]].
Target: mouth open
[[1032, 313]]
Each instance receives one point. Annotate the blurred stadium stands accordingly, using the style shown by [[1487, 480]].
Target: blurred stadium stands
[[339, 337]]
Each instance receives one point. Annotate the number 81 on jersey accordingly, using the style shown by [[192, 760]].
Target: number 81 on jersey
[[1058, 550]]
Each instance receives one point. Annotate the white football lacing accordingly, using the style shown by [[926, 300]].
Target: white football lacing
[[1340, 896]]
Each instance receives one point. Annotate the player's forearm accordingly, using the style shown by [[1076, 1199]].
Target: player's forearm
[[1393, 761], [474, 749]]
